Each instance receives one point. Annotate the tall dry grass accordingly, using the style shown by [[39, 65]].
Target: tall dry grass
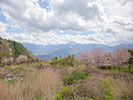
[[41, 87], [123, 87]]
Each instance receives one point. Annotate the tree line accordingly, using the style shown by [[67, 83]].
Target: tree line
[[98, 57]]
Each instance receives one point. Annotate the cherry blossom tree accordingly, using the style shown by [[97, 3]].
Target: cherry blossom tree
[[86, 57], [107, 58], [94, 57], [10, 60], [120, 57], [97, 56], [7, 61], [4, 61], [21, 59]]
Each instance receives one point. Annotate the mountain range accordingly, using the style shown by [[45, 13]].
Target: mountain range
[[50, 51]]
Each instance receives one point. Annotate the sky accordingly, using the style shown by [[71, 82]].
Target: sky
[[62, 21]]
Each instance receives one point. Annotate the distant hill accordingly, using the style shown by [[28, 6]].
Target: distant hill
[[49, 51], [12, 49]]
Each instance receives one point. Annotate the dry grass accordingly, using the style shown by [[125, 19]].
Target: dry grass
[[122, 87], [42, 86]]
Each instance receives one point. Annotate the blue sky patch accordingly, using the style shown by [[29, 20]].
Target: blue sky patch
[[72, 33], [10, 30], [2, 17], [44, 4]]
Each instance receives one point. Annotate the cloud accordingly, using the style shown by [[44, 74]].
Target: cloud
[[86, 9], [125, 23], [66, 15], [108, 19], [2, 27], [124, 2], [49, 37]]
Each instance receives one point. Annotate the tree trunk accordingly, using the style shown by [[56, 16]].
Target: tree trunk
[[129, 67], [119, 68]]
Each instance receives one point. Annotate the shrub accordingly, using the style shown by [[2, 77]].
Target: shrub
[[39, 98], [95, 89], [125, 97], [107, 67], [68, 93], [74, 77], [89, 90], [54, 61], [65, 92]]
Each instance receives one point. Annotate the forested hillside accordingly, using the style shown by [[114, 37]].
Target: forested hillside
[[12, 51]]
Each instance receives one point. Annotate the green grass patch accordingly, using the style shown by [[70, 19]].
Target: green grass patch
[[64, 92], [106, 86], [86, 98], [124, 69], [17, 70], [15, 65]]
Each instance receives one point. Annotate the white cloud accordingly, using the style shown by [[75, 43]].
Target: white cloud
[[2, 27], [64, 15], [108, 19]]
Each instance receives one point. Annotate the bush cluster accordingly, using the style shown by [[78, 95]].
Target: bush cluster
[[66, 61], [74, 77], [101, 90]]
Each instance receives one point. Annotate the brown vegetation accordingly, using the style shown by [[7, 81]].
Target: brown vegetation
[[43, 86]]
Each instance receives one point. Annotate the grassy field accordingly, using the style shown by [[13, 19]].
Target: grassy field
[[42, 81]]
